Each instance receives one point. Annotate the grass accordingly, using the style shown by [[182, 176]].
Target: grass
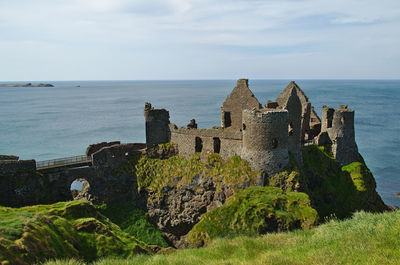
[[333, 190], [133, 221], [155, 174], [254, 211], [62, 230], [364, 239]]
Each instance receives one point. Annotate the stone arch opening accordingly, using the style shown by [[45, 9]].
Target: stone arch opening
[[80, 189], [198, 145], [217, 145]]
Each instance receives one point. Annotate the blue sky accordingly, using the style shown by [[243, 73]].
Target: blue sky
[[199, 39]]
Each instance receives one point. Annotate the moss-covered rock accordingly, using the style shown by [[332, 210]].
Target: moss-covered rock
[[254, 211], [333, 190], [155, 174], [134, 222], [63, 230]]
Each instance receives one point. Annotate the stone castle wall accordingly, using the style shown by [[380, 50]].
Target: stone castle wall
[[339, 125], [240, 98], [157, 125], [265, 140], [226, 142]]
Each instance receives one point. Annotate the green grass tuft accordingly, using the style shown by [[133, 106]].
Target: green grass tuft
[[365, 239], [255, 211], [61, 230], [133, 221]]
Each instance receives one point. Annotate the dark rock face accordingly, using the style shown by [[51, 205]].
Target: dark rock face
[[93, 148], [162, 151], [115, 156], [8, 157], [180, 208], [19, 183]]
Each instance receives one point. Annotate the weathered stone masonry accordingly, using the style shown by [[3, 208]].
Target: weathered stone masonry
[[263, 136]]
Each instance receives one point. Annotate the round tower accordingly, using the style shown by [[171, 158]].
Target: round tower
[[265, 139]]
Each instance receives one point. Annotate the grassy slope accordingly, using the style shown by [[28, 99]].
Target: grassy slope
[[365, 239], [333, 190], [65, 229], [133, 221], [254, 211]]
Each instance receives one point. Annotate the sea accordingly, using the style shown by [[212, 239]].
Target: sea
[[54, 122]]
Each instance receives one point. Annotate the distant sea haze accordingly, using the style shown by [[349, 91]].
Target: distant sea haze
[[53, 122]]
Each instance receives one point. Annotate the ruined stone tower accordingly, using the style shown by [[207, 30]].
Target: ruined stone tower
[[306, 108], [157, 125], [339, 125], [239, 99], [265, 139], [289, 99]]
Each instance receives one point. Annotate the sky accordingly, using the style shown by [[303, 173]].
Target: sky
[[199, 39]]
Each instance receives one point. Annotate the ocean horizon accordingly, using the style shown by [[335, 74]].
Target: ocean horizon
[[53, 122]]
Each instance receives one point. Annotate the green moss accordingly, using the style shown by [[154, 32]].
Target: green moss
[[133, 221], [167, 147], [255, 211], [154, 174], [290, 178], [336, 190], [61, 230]]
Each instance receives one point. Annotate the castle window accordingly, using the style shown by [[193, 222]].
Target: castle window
[[217, 145], [227, 119], [274, 143], [329, 118], [198, 145], [244, 126]]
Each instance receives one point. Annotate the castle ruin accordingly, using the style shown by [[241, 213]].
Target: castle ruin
[[263, 135]]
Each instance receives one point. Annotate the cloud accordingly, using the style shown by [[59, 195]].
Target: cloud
[[165, 34]]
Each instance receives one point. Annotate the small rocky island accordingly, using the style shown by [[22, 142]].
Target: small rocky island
[[26, 85]]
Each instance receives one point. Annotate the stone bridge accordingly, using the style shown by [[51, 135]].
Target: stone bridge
[[25, 182]]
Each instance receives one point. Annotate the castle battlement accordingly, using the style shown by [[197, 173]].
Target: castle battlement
[[262, 135]]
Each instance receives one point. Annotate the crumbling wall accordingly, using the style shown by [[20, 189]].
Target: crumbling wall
[[21, 184], [315, 125], [157, 125], [282, 100], [239, 99], [339, 125], [265, 139], [93, 148], [290, 100], [226, 142]]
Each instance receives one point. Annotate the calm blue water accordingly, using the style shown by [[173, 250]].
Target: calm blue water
[[46, 123]]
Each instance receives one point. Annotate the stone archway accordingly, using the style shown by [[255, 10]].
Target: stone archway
[[80, 189]]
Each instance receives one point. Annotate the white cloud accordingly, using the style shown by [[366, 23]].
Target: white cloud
[[161, 34]]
